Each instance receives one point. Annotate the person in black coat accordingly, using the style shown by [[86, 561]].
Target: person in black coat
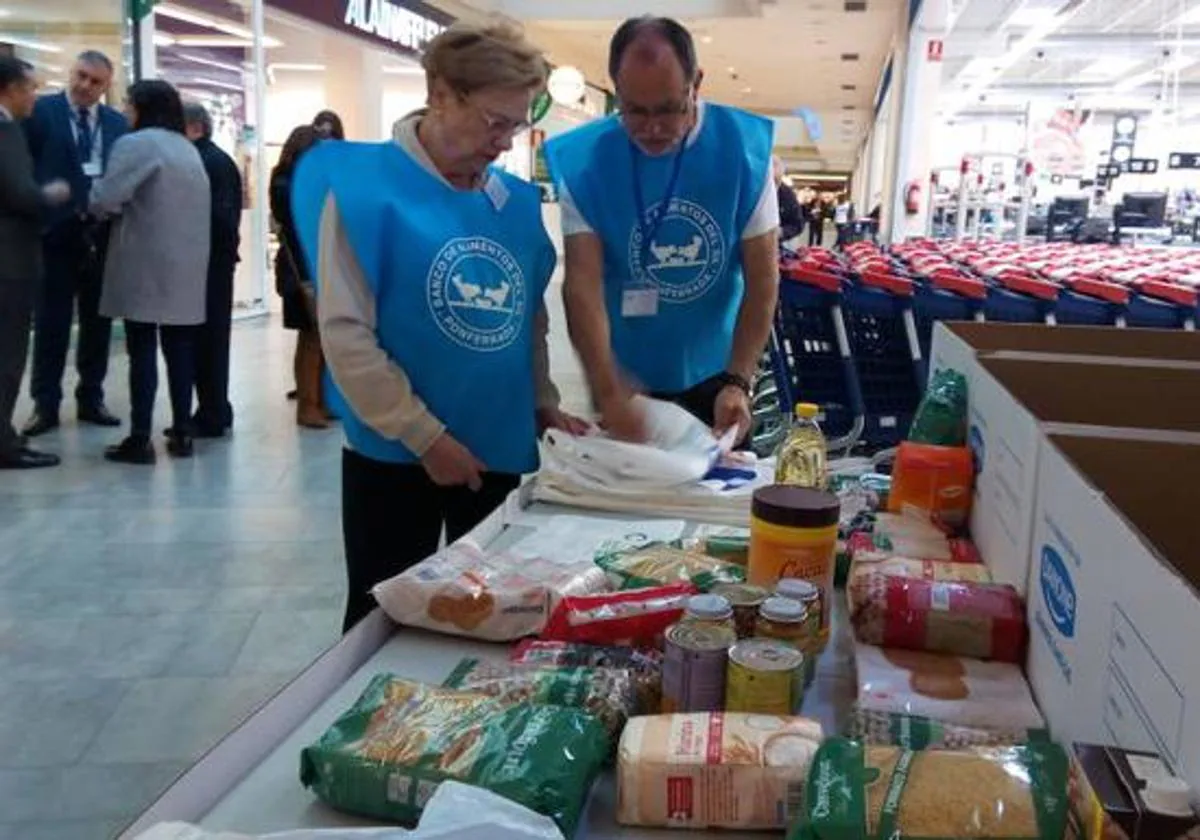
[[791, 214], [815, 211], [295, 286], [214, 414], [71, 135]]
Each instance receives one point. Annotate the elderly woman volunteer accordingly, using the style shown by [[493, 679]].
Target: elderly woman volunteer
[[431, 269]]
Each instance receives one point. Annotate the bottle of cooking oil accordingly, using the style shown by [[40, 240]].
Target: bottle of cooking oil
[[800, 459]]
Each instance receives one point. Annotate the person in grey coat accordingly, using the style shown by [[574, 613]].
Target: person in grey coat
[[22, 201], [155, 275]]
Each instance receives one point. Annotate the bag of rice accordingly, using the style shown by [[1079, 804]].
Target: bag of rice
[[385, 757], [465, 591], [607, 693], [660, 564], [914, 732], [887, 793], [714, 770]]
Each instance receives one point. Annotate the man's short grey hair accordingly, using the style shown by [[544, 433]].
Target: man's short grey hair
[[95, 57], [196, 114]]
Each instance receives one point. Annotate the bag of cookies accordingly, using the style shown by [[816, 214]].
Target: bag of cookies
[[464, 591], [385, 757], [607, 693], [855, 792], [632, 617], [661, 564], [645, 664]]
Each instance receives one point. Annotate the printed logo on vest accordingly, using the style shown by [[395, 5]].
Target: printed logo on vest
[[476, 292], [686, 257]]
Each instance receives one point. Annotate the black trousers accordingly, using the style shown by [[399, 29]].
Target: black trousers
[[392, 518], [16, 311], [816, 232], [74, 256], [141, 341], [213, 410]]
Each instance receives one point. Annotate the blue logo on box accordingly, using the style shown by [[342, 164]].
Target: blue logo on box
[[975, 441], [1058, 591]]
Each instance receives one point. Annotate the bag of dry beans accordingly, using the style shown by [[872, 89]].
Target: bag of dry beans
[[856, 792]]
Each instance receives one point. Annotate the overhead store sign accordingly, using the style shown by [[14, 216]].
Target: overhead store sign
[[384, 19], [1184, 160], [1142, 166]]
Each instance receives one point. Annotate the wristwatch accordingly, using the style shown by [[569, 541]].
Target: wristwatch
[[735, 380]]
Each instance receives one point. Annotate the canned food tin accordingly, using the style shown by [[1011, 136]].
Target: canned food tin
[[745, 599], [765, 677], [695, 659]]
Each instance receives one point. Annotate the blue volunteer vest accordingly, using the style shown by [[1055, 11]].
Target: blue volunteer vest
[[694, 258], [457, 281]]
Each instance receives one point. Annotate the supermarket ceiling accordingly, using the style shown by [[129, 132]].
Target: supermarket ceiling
[[771, 56], [1141, 55]]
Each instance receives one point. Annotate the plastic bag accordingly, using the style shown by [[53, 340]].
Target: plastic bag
[[634, 617], [388, 753], [645, 664], [941, 418], [855, 792], [661, 564], [456, 812], [934, 483], [607, 693]]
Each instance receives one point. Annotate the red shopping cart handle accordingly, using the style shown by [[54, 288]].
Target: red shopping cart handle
[[1090, 286], [810, 276], [1170, 292], [950, 280], [1016, 281], [899, 286]]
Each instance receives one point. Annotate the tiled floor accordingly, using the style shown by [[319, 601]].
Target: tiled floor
[[145, 611]]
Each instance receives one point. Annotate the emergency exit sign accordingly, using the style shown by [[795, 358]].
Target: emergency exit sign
[[1183, 160], [934, 50]]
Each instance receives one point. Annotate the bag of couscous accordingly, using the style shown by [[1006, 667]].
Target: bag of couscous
[[857, 792]]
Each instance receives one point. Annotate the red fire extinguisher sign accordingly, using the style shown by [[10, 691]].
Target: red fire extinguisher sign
[[933, 50]]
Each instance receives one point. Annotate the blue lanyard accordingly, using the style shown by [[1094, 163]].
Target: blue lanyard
[[649, 222]]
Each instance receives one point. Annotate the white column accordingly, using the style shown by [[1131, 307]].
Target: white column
[[260, 206], [147, 57], [917, 95]]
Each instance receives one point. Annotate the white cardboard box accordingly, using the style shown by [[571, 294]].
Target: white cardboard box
[[1019, 377], [1114, 613]]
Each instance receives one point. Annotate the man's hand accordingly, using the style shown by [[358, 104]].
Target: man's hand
[[57, 192], [621, 417], [450, 464], [556, 418], [732, 408]]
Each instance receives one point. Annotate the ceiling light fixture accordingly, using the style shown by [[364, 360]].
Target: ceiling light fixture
[[25, 43], [297, 67], [1173, 65], [5, 13], [162, 39], [196, 19], [208, 62], [403, 70], [1109, 68], [224, 41], [216, 83], [706, 39], [747, 90]]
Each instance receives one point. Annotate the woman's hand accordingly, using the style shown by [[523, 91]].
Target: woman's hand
[[556, 418], [450, 464]]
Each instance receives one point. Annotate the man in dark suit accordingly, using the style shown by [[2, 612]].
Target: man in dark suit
[[70, 136], [21, 204], [214, 416]]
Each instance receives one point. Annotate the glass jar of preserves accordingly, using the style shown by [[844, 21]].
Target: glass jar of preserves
[[709, 610], [785, 620]]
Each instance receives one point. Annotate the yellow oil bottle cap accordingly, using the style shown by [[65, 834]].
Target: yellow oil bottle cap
[[807, 411]]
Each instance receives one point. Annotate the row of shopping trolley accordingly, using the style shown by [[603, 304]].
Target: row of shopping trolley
[[853, 329]]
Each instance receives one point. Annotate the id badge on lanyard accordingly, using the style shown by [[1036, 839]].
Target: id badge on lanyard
[[639, 299]]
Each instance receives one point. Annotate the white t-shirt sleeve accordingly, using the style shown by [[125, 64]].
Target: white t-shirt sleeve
[[573, 222], [765, 217]]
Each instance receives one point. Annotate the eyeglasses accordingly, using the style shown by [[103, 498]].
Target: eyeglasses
[[499, 126], [666, 112]]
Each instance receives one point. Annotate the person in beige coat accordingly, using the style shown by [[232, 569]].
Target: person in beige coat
[[155, 276]]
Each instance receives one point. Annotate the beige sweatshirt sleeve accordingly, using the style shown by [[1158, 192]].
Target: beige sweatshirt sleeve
[[547, 392], [377, 389]]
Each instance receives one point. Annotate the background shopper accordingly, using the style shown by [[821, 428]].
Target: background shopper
[[214, 412], [156, 274], [21, 204], [329, 126], [71, 136], [791, 214], [294, 284], [815, 216]]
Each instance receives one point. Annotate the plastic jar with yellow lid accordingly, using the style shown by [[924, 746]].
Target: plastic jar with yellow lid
[[793, 534]]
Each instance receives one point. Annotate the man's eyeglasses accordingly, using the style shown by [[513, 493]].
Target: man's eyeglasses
[[665, 112]]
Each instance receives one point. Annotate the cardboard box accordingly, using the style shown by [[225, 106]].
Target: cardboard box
[[1072, 377], [1113, 606]]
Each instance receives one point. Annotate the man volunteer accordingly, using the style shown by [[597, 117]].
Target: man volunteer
[[672, 277]]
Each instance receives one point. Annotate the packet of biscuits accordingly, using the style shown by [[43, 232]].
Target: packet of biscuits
[[465, 591], [661, 564]]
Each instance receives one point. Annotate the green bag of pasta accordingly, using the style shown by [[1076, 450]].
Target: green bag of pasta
[[386, 756], [856, 792], [661, 564], [941, 418]]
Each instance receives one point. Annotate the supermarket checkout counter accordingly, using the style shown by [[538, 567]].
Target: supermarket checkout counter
[[249, 782]]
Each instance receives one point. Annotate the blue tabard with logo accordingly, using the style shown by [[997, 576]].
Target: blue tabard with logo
[[693, 256], [457, 278]]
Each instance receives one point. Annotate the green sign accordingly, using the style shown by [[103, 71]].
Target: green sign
[[540, 107], [139, 9]]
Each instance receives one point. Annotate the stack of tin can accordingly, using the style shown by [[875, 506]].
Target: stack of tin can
[[742, 648]]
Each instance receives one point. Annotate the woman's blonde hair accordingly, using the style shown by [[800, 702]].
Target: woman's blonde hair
[[469, 58]]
